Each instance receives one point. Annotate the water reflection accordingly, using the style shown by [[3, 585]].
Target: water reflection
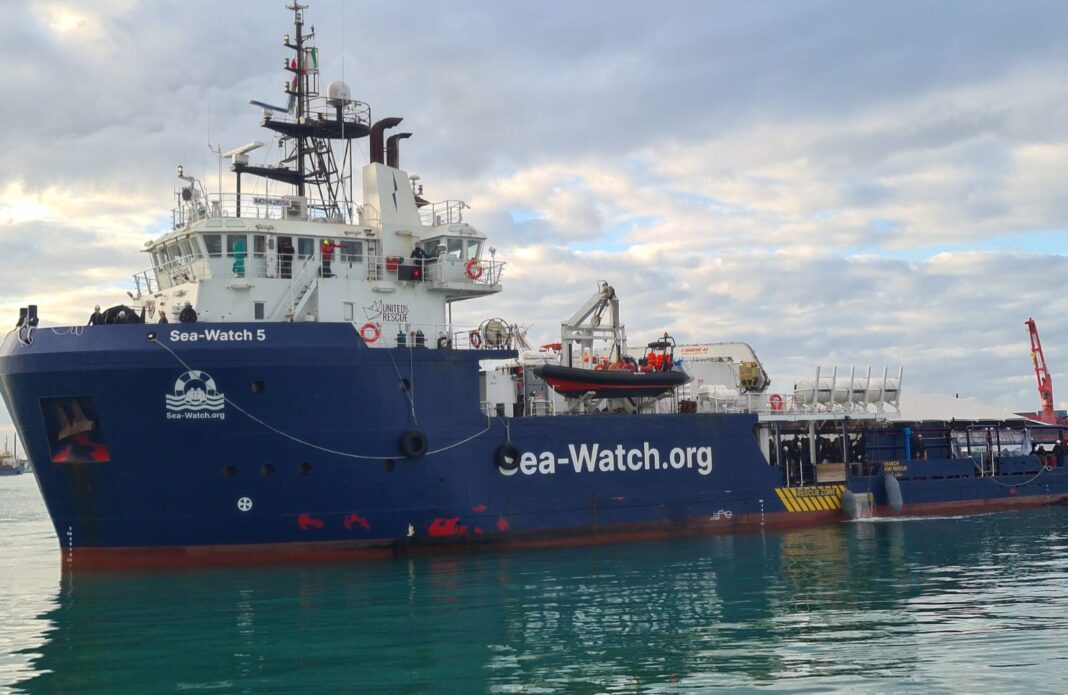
[[914, 605]]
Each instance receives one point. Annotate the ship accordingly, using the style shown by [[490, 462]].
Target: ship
[[287, 383], [10, 463]]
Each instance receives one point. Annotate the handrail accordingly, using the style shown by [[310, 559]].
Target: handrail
[[261, 207], [444, 212], [302, 278]]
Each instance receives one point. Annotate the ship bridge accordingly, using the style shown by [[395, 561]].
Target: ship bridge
[[392, 265]]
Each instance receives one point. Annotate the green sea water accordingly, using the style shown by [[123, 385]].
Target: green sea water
[[971, 605]]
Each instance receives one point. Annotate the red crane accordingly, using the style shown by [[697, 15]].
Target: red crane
[[1045, 381]]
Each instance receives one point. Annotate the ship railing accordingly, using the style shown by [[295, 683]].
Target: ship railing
[[444, 212], [145, 283], [263, 207], [383, 325], [176, 271], [451, 270], [305, 272]]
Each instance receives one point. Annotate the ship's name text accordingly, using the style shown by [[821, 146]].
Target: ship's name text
[[243, 335], [590, 458]]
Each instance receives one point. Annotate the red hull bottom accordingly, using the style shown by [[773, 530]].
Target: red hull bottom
[[345, 551]]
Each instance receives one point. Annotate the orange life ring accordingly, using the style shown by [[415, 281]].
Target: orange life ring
[[473, 269], [775, 401], [370, 333], [475, 339]]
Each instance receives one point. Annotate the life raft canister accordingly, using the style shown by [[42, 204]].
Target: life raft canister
[[473, 269], [475, 339], [776, 401], [370, 332]]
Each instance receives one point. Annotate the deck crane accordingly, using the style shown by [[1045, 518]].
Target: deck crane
[[1045, 381]]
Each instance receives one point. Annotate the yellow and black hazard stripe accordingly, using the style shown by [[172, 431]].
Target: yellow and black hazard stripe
[[816, 498]]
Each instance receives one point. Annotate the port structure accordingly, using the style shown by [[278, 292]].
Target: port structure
[[1045, 381]]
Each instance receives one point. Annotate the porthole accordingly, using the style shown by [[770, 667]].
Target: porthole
[[389, 465], [305, 468], [230, 471], [405, 385], [267, 470], [258, 386]]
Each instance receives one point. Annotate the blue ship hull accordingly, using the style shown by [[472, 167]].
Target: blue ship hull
[[237, 442]]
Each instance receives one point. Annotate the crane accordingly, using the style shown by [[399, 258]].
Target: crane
[[1045, 381]]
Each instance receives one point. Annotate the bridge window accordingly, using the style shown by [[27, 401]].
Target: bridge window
[[259, 245], [305, 247], [351, 251], [454, 248], [213, 245], [185, 249]]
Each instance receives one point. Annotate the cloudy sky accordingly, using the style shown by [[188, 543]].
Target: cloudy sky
[[834, 183]]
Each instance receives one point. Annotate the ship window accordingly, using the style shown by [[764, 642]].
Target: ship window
[[348, 313], [257, 310], [73, 429], [351, 251], [172, 252], [259, 244], [305, 247], [213, 245], [455, 248], [473, 246], [157, 260], [236, 243]]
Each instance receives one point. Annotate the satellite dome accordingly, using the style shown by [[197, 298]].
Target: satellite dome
[[338, 93]]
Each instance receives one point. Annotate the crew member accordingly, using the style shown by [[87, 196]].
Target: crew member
[[328, 256], [285, 257], [97, 319], [419, 256], [188, 315], [163, 315]]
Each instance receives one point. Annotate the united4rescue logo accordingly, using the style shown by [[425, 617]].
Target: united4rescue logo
[[195, 397]]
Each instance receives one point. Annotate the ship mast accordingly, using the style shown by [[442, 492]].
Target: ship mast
[[306, 129], [301, 94]]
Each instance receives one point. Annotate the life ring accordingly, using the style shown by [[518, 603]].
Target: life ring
[[507, 457], [473, 269], [414, 444], [475, 339], [775, 401], [370, 333]]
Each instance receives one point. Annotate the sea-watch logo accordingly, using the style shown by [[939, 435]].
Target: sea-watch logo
[[195, 397]]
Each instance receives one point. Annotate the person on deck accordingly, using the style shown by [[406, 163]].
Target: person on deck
[[188, 315], [96, 319], [919, 450], [239, 253], [328, 256], [285, 258], [419, 260], [163, 315]]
